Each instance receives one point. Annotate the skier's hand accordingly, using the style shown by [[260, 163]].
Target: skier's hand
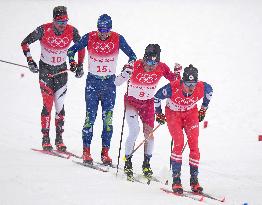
[[79, 71], [160, 118], [32, 65], [177, 69], [73, 66], [127, 70], [202, 114]]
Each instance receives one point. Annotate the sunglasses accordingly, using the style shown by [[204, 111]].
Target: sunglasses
[[190, 84], [61, 22]]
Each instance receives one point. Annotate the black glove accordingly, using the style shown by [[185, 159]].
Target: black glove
[[160, 118], [79, 71], [32, 65], [202, 114], [73, 66]]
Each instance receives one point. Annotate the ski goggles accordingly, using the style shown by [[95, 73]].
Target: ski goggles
[[61, 22], [151, 62], [104, 30], [190, 84]]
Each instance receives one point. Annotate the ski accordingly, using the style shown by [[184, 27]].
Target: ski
[[92, 166], [53, 153], [187, 195], [69, 154], [209, 196]]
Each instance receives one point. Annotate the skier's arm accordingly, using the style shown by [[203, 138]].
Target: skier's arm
[[37, 34], [81, 52], [81, 44], [161, 94], [126, 49], [170, 75], [124, 75], [208, 91]]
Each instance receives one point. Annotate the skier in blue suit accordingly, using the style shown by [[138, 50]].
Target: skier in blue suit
[[103, 48]]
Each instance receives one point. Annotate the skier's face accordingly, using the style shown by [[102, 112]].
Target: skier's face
[[60, 25], [189, 87], [148, 67], [103, 35]]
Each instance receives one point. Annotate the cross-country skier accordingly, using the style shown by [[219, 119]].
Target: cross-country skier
[[103, 48], [55, 38], [181, 112], [139, 101]]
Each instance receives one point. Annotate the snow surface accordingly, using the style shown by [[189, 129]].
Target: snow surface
[[221, 38]]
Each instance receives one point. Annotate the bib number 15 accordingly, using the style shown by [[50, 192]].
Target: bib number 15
[[103, 69]]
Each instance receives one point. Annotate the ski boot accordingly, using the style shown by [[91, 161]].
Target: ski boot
[[177, 186], [46, 143], [128, 169], [87, 156], [105, 157], [195, 187], [60, 146], [147, 171]]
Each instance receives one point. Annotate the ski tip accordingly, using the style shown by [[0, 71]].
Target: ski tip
[[223, 200]]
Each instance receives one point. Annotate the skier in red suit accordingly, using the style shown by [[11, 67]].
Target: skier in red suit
[[181, 113], [143, 77], [55, 39]]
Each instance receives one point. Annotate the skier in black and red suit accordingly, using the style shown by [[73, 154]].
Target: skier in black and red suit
[[55, 39]]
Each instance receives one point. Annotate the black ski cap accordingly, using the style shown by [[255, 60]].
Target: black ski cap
[[152, 50], [190, 74], [60, 12]]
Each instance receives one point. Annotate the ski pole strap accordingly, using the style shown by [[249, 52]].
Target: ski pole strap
[[14, 63], [151, 133]]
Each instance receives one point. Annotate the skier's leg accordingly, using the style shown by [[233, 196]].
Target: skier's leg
[[107, 102], [133, 125], [175, 126], [46, 87], [92, 101], [192, 131], [147, 116], [59, 96]]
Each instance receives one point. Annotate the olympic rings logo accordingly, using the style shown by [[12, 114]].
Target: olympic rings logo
[[103, 47], [58, 42], [146, 78]]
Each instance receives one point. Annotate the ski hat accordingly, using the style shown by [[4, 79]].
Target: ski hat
[[104, 23], [152, 53], [190, 74], [60, 13]]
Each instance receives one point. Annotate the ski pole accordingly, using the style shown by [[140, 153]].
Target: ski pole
[[122, 131], [126, 158], [14, 63], [184, 146], [53, 75], [171, 147]]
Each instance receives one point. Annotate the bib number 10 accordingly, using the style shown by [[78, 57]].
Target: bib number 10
[[56, 59], [103, 69]]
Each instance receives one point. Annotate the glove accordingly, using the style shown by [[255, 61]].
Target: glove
[[177, 69], [73, 66], [202, 114], [79, 71], [32, 65], [127, 70], [160, 118]]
